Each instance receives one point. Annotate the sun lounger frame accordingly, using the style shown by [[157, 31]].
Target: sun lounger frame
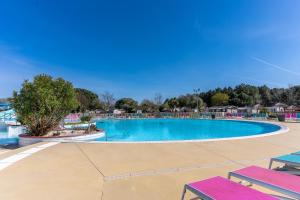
[[226, 185], [263, 184], [293, 164], [196, 192]]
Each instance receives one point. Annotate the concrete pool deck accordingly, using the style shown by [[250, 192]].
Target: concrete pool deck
[[133, 171]]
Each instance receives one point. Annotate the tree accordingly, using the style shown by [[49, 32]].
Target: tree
[[172, 103], [296, 95], [277, 95], [158, 99], [220, 99], [88, 100], [246, 95], [265, 94], [127, 104], [241, 95], [190, 101], [107, 99], [41, 105], [164, 107], [148, 106], [200, 104]]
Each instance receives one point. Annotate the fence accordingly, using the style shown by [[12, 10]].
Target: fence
[[152, 115], [11, 116], [201, 115]]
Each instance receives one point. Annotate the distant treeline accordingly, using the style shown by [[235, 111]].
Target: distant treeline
[[241, 95], [249, 95]]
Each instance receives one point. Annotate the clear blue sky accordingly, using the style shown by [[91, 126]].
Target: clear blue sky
[[137, 48]]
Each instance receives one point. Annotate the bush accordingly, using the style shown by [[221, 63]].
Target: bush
[[127, 104], [220, 99], [41, 105], [85, 118], [87, 100]]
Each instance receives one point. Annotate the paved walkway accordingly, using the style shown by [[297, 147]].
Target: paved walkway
[[133, 171]]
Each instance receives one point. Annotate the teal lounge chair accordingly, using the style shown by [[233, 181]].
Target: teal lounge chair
[[291, 163]]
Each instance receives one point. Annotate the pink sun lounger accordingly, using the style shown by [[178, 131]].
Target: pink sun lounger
[[218, 188], [277, 181]]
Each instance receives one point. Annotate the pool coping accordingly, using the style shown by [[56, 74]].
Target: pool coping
[[25, 140], [283, 129]]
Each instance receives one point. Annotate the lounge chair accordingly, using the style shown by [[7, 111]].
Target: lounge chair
[[283, 183], [218, 188], [291, 160]]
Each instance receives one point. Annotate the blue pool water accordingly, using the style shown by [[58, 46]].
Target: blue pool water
[[179, 129]]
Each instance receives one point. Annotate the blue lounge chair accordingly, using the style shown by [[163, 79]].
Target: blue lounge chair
[[289, 159], [291, 163]]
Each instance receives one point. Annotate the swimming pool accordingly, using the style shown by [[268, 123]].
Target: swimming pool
[[138, 130]]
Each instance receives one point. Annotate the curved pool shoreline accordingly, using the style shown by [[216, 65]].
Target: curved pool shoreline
[[282, 129]]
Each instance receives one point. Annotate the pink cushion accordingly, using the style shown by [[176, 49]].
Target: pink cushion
[[272, 177], [219, 188]]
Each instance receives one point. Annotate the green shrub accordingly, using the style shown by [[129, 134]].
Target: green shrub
[[86, 118], [41, 105]]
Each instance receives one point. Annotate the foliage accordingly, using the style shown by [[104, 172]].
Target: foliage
[[265, 95], [294, 95], [127, 104], [164, 107], [87, 100], [241, 95], [86, 118], [41, 105], [190, 102], [172, 103], [148, 106], [219, 99], [246, 95]]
